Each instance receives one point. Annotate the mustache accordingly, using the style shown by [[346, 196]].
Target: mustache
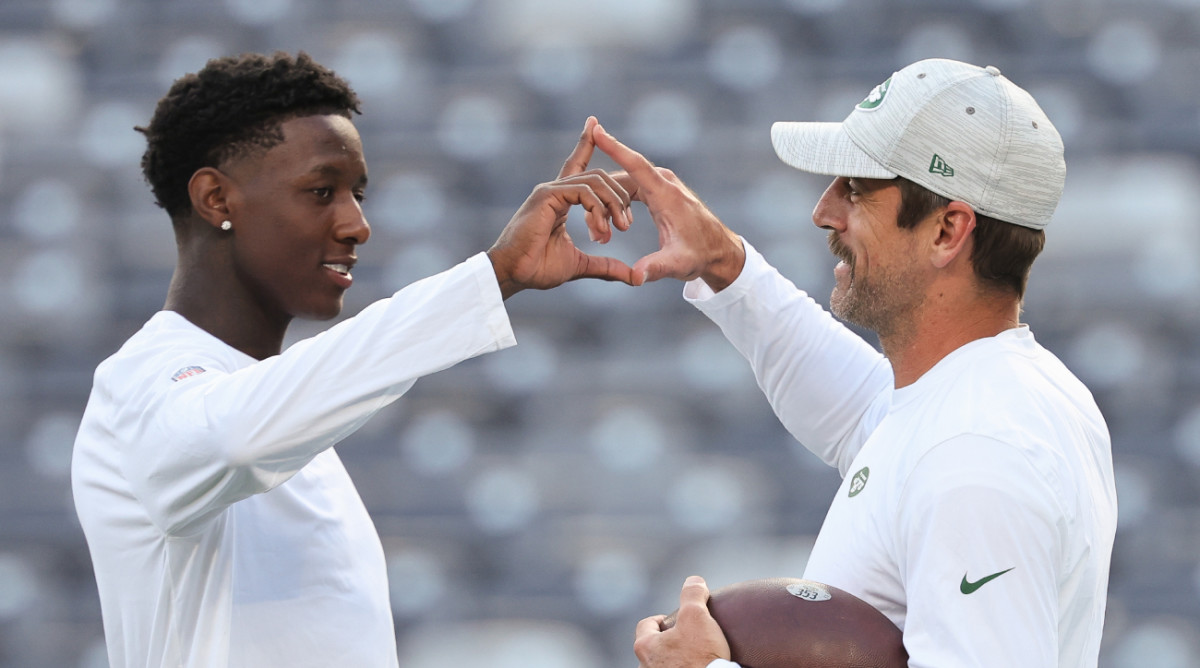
[[839, 249]]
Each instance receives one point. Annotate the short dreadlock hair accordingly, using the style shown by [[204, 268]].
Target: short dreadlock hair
[[231, 107]]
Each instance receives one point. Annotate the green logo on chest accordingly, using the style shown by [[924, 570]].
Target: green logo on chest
[[859, 481]]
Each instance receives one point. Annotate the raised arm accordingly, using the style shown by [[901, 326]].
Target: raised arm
[[821, 378]]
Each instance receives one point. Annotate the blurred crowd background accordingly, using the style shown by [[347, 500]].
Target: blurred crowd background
[[535, 503]]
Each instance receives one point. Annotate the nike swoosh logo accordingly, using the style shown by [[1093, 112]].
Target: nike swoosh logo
[[970, 587]]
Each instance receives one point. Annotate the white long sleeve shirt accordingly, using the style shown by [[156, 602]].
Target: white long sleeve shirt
[[223, 528], [977, 509]]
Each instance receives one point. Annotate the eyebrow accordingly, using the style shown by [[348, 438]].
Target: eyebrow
[[329, 170], [865, 185]]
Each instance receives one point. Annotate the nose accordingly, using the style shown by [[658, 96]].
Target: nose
[[352, 226], [827, 214]]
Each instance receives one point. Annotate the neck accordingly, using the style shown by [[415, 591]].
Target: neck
[[941, 326], [204, 291]]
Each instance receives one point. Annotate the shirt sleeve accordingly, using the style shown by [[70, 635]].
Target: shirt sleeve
[[828, 387], [212, 439], [980, 537]]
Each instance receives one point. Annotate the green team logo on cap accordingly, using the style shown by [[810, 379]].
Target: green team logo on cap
[[859, 481], [939, 166], [875, 97]]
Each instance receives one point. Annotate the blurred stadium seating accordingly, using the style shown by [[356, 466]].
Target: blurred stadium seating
[[536, 503]]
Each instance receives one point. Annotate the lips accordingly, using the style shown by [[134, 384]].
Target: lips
[[340, 272]]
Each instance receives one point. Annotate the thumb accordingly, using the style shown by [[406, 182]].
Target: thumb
[[652, 267], [695, 591]]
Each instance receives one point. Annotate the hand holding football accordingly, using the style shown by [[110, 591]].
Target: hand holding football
[[794, 623]]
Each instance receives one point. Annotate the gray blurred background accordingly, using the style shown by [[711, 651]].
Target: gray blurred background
[[535, 503]]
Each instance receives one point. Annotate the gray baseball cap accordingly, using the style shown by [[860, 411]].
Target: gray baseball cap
[[962, 131]]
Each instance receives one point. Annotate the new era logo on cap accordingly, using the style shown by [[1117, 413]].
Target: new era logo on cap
[[964, 132], [939, 166]]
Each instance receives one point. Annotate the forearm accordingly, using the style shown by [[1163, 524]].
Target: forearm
[[231, 435], [823, 381]]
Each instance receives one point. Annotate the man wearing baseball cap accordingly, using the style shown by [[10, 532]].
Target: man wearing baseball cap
[[977, 508]]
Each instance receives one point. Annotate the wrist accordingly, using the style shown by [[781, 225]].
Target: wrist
[[723, 271], [508, 287]]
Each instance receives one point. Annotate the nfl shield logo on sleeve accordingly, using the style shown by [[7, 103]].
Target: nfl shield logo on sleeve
[[187, 372]]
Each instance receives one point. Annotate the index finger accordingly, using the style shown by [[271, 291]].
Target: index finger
[[581, 155], [635, 164], [649, 626]]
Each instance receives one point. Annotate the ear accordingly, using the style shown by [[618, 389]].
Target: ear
[[210, 191], [953, 233]]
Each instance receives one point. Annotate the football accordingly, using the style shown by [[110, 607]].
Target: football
[[794, 623]]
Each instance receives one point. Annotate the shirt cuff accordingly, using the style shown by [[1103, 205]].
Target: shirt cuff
[[722, 663], [497, 319]]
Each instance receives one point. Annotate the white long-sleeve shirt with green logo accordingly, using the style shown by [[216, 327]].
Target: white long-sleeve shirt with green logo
[[977, 509]]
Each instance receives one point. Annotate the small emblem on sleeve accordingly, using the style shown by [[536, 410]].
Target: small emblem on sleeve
[[859, 481], [187, 372]]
